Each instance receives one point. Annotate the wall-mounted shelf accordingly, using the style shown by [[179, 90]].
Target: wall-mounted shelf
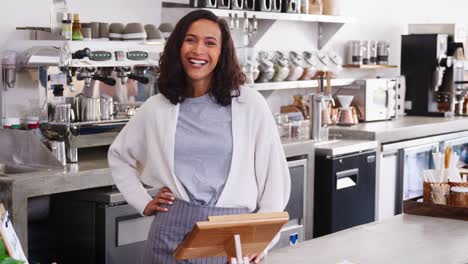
[[327, 25], [295, 84], [369, 66]]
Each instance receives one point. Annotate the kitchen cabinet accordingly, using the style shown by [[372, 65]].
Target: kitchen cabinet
[[327, 25], [344, 191]]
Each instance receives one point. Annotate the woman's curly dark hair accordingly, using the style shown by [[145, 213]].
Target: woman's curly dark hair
[[227, 77]]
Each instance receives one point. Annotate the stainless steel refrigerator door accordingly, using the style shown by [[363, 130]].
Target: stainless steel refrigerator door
[[414, 161]]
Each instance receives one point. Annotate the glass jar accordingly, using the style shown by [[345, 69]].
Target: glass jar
[[443, 102], [315, 7], [282, 123]]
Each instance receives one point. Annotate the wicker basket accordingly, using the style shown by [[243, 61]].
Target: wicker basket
[[427, 192], [427, 197], [458, 184]]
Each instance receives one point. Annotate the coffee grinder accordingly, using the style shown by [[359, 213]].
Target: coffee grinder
[[433, 63], [427, 69]]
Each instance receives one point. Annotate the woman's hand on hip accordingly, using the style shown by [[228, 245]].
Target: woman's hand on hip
[[162, 197]]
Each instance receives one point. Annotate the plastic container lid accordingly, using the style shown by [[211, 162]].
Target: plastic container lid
[[12, 121], [32, 120], [459, 189]]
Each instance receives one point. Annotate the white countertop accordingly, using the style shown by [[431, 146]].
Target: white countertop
[[343, 146], [406, 127], [400, 239]]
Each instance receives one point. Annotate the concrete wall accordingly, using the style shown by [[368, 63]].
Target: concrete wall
[[374, 20]]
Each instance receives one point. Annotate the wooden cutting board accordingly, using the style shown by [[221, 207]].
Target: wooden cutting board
[[215, 237]]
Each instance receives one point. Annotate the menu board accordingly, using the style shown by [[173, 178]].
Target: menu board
[[10, 238]]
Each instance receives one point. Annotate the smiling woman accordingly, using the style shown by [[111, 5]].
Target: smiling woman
[[200, 49], [209, 145]]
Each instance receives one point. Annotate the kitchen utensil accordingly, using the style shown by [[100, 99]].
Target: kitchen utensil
[[331, 7], [251, 71], [439, 192], [203, 3], [86, 31], [266, 67], [62, 113], [310, 62], [345, 113], [382, 52], [323, 61], [58, 150], [276, 6], [115, 31], [107, 108], [335, 64], [315, 7], [134, 31], [291, 6], [94, 30], [372, 52], [249, 5], [237, 4], [153, 33], [295, 67], [264, 5], [104, 31], [281, 66], [366, 52], [355, 52], [224, 4], [90, 109]]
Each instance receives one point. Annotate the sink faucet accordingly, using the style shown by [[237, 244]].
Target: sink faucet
[[318, 115]]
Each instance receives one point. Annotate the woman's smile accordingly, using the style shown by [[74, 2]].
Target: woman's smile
[[200, 51]]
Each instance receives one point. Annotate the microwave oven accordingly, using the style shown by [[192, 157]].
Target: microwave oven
[[374, 99]]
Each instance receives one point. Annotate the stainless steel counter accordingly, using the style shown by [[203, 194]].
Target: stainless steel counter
[[15, 189], [404, 128], [92, 171], [401, 239]]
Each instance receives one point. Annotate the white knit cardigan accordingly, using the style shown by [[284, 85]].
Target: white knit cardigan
[[258, 177]]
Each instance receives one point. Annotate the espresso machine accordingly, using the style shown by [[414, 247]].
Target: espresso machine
[[432, 61], [89, 90]]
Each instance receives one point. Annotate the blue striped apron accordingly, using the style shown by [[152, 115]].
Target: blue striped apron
[[169, 229]]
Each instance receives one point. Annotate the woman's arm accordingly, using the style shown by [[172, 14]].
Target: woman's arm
[[127, 150], [271, 167]]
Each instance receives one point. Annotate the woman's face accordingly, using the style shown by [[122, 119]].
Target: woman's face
[[200, 50]]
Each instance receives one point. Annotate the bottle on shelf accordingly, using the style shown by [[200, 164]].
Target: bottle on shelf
[[58, 8], [76, 30], [67, 26]]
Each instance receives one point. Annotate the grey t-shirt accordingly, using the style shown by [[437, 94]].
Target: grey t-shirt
[[203, 148]]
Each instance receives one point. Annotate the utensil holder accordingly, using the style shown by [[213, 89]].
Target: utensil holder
[[427, 192]]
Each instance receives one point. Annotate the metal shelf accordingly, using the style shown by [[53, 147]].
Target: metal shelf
[[369, 66], [327, 25], [295, 84], [277, 16]]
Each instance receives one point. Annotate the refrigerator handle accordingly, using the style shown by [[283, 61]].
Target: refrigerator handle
[[347, 178]]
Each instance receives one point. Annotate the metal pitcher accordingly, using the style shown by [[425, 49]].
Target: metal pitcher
[[107, 108], [90, 109]]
